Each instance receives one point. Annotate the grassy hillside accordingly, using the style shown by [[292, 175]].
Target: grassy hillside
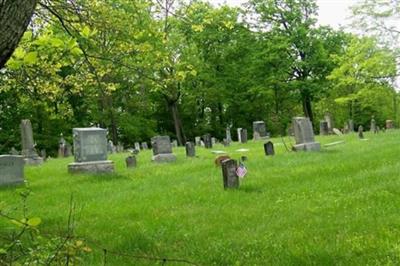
[[337, 206]]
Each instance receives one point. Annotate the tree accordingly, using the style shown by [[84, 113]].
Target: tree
[[15, 16]]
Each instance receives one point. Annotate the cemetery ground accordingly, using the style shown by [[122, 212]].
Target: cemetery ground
[[337, 206]]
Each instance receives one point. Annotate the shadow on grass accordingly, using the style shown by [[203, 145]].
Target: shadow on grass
[[251, 189], [104, 177]]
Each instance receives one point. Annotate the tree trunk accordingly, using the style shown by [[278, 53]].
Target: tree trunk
[[177, 123], [15, 16], [307, 108]]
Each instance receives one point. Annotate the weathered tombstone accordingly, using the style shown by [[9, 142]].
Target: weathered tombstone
[[11, 170], [197, 141], [337, 132], [243, 135], [328, 118], [228, 135], [207, 141], [131, 161], [28, 146], [239, 134], [213, 140], [225, 142], [162, 149], [389, 124], [373, 126], [230, 177], [144, 146], [361, 132], [61, 147], [259, 130], [190, 149], [304, 135], [110, 147], [202, 143], [90, 150], [137, 146], [13, 151], [269, 148], [350, 124], [323, 128]]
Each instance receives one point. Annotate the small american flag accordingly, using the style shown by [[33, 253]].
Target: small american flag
[[241, 170]]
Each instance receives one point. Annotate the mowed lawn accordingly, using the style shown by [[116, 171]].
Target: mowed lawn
[[337, 206]]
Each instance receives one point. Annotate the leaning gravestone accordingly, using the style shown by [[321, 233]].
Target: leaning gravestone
[[90, 150], [190, 149], [304, 135], [361, 132], [11, 170], [162, 149], [28, 146], [323, 128], [230, 177], [269, 148], [259, 130], [131, 161], [207, 141]]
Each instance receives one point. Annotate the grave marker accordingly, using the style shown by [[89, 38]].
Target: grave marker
[[269, 148], [28, 146], [11, 170], [230, 177], [190, 149], [304, 135], [162, 149]]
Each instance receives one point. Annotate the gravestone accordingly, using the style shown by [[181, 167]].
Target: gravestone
[[213, 140], [162, 149], [328, 118], [11, 170], [43, 154], [144, 146], [225, 143], [28, 146], [230, 177], [207, 141], [389, 124], [174, 143], [197, 141], [90, 151], [259, 130], [361, 132], [269, 149], [346, 128], [304, 135], [137, 146], [228, 136], [130, 161], [190, 149], [323, 128], [120, 147], [61, 147], [373, 126], [110, 147], [243, 135], [239, 134], [350, 124], [68, 149]]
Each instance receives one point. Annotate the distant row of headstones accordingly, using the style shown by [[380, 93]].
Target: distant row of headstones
[[91, 148]]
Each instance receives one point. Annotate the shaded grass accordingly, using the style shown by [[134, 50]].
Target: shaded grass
[[338, 206]]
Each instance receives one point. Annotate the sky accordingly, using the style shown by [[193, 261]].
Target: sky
[[331, 12]]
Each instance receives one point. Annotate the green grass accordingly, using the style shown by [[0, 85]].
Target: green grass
[[337, 206]]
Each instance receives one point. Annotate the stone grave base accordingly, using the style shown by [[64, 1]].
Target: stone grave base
[[97, 167], [33, 160], [311, 146], [164, 158]]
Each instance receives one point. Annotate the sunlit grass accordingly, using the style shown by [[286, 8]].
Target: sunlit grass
[[337, 206]]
